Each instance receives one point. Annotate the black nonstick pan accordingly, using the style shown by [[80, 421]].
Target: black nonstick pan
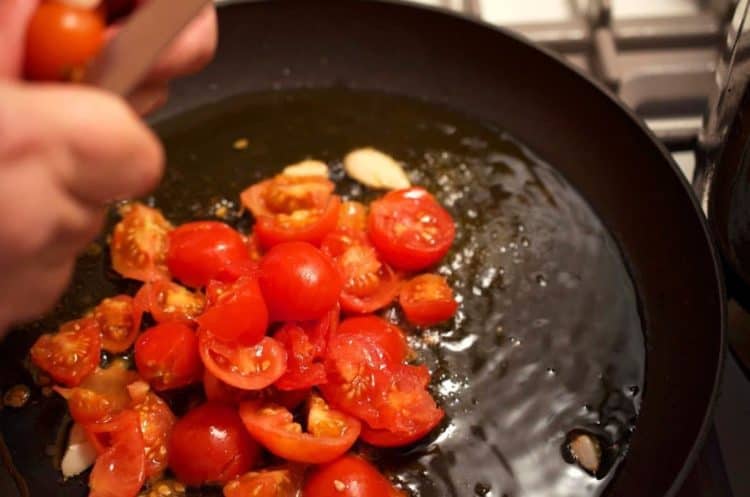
[[592, 302]]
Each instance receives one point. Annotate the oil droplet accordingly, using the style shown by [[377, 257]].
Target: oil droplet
[[482, 489], [514, 341], [471, 213], [525, 242], [541, 280], [633, 390], [551, 371], [499, 330]]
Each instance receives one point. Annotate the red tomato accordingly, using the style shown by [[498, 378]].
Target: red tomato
[[386, 335], [236, 312], [301, 371], [156, 421], [71, 354], [61, 40], [427, 300], [119, 471], [349, 476], [369, 284], [299, 282], [330, 433], [285, 194], [210, 445], [352, 217], [245, 367], [389, 439], [167, 301], [118, 323], [319, 331], [410, 229], [167, 356], [101, 395], [206, 250], [281, 482], [253, 248], [139, 243], [301, 226], [218, 391]]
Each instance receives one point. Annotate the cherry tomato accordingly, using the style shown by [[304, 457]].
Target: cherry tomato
[[61, 40], [139, 243], [210, 445], [167, 301], [253, 248], [281, 482], [246, 367], [71, 354], [410, 229], [118, 323], [330, 433], [387, 336], [285, 194], [167, 356], [236, 312], [427, 300], [218, 391], [349, 476], [101, 395], [156, 421], [301, 371], [352, 217], [300, 226], [299, 282], [202, 251], [120, 470], [318, 331]]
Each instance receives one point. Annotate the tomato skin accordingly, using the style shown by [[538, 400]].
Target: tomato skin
[[319, 331], [350, 476], [390, 439], [166, 355], [156, 422], [330, 433], [301, 226], [60, 40], [209, 445], [167, 301], [120, 470], [139, 243], [301, 371], [71, 354], [386, 335], [281, 482], [237, 312], [118, 323], [202, 251], [427, 300], [352, 217], [246, 367], [284, 194], [410, 229], [299, 282]]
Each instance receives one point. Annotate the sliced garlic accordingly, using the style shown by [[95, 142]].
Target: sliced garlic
[[79, 455], [82, 4], [375, 169], [587, 452], [307, 168]]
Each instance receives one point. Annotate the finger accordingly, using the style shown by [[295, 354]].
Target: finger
[[111, 153], [148, 98], [14, 17]]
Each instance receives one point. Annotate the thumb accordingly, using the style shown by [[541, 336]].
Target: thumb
[[14, 18]]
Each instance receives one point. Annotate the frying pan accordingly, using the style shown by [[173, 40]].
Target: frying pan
[[461, 68]]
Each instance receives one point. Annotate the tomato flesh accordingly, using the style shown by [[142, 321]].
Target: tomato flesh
[[330, 432], [139, 243], [301, 370], [427, 300], [166, 356], [282, 482], [410, 229], [210, 445], [156, 422], [387, 336], [120, 470], [349, 476], [246, 367], [167, 301], [71, 354], [352, 217], [236, 312], [61, 40]]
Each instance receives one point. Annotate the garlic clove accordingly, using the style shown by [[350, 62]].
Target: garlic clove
[[79, 455], [375, 169], [307, 168]]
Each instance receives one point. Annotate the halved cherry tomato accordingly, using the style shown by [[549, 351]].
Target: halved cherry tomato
[[410, 229], [120, 470], [281, 482], [301, 371], [218, 391], [388, 336], [330, 433], [284, 194], [166, 356], [71, 354], [139, 243], [202, 251], [167, 301], [300, 226], [210, 445], [369, 284], [101, 395], [253, 248], [236, 312], [352, 217], [61, 40], [318, 331], [350, 476], [299, 282], [427, 299], [246, 367], [118, 323], [156, 421]]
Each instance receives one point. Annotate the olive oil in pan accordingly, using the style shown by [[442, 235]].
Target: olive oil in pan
[[547, 346]]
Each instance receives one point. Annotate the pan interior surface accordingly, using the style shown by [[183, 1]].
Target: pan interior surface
[[548, 340]]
